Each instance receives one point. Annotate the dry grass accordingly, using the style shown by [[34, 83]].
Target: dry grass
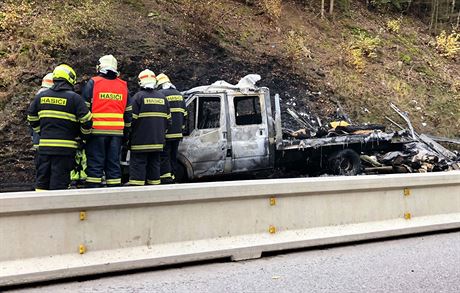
[[271, 7], [35, 35], [448, 45], [394, 25], [296, 47]]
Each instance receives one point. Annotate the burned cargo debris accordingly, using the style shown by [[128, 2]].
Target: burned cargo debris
[[418, 152], [421, 155]]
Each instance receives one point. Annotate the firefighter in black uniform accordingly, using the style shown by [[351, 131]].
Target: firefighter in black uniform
[[174, 135], [151, 119], [59, 116]]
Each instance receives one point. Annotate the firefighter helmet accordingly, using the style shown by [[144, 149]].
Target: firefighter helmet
[[147, 79], [107, 63], [162, 78], [65, 72], [47, 81]]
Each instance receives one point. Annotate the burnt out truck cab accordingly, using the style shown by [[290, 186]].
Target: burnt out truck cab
[[234, 129]]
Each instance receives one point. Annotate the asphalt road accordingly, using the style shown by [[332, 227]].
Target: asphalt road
[[429, 263]]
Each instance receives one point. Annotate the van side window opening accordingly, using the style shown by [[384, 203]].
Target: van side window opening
[[208, 112], [247, 110], [191, 117]]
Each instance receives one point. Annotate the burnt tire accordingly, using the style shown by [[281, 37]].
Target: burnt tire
[[345, 163], [181, 174]]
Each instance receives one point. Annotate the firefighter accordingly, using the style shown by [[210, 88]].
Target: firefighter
[[47, 82], [151, 118], [174, 135], [107, 97], [58, 115]]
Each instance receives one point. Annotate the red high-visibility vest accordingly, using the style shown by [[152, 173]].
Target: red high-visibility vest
[[110, 97]]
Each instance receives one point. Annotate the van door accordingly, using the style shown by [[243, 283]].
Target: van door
[[205, 145], [249, 129]]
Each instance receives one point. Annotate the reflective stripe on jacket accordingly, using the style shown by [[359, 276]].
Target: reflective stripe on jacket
[[110, 98]]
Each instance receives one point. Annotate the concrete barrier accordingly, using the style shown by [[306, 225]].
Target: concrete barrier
[[60, 234]]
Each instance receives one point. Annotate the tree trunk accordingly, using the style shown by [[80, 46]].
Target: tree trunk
[[409, 4], [452, 13], [432, 15], [458, 21], [322, 8], [436, 17], [331, 6]]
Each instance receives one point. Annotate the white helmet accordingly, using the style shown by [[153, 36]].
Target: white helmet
[[147, 79], [47, 81], [164, 81], [107, 63]]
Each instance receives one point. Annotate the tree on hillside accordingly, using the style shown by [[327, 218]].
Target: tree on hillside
[[439, 14], [322, 8]]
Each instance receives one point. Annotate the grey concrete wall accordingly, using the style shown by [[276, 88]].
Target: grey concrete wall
[[41, 233]]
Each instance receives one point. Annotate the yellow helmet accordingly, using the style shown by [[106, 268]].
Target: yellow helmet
[[107, 63], [147, 79], [47, 81], [65, 72], [162, 78]]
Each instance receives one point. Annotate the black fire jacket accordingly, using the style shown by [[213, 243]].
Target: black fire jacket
[[151, 120], [178, 113], [59, 116]]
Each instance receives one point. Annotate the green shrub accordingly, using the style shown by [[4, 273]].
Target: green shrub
[[406, 59], [364, 46]]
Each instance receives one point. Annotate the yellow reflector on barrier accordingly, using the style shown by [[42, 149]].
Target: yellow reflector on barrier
[[81, 249], [406, 191]]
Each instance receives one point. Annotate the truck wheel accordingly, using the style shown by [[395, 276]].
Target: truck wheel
[[181, 174], [345, 162]]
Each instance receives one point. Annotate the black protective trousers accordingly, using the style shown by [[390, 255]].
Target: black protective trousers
[[169, 161], [53, 171], [103, 157], [144, 167]]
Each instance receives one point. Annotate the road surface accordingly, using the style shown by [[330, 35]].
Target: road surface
[[429, 263]]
